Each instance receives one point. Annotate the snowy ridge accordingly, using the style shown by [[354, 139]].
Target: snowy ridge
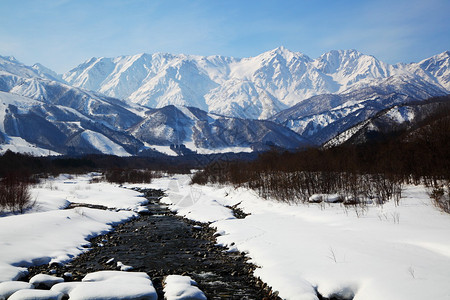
[[436, 68], [255, 87], [388, 121], [9, 65], [19, 145], [322, 117], [345, 136]]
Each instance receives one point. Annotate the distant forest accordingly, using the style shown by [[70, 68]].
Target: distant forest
[[27, 166]]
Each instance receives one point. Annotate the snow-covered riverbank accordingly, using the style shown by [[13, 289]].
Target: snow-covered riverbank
[[389, 252], [48, 233]]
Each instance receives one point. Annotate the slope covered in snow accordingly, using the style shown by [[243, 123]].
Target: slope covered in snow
[[393, 121], [103, 144], [203, 132], [10, 65], [33, 126], [322, 117], [435, 68]]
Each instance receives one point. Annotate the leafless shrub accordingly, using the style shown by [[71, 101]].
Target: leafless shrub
[[439, 192], [332, 255], [412, 272], [15, 195]]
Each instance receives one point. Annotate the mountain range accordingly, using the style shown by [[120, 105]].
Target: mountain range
[[128, 104], [251, 88]]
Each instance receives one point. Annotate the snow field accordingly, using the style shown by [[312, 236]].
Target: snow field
[[386, 252]]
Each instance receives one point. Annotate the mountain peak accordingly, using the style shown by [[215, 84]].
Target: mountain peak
[[46, 72], [11, 65], [349, 53], [443, 55], [436, 58], [141, 55], [287, 54], [10, 59], [353, 65], [281, 49]]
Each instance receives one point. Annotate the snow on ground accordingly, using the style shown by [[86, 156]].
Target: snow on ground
[[389, 252], [18, 144], [45, 280], [385, 252], [162, 149], [8, 288], [98, 285], [36, 295], [177, 287], [103, 143], [53, 193], [114, 285], [237, 149], [109, 285], [47, 233]]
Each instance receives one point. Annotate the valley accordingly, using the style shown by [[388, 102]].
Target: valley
[[176, 176]]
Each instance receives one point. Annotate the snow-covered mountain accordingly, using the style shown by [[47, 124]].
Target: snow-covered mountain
[[41, 114], [252, 88], [322, 117], [200, 130], [43, 127], [435, 69], [127, 104], [392, 121]]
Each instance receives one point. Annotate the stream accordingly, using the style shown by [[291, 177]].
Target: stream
[[160, 244]]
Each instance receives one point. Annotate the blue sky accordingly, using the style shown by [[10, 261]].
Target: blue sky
[[63, 33]]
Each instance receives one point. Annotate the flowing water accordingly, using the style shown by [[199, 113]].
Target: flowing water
[[160, 244]]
